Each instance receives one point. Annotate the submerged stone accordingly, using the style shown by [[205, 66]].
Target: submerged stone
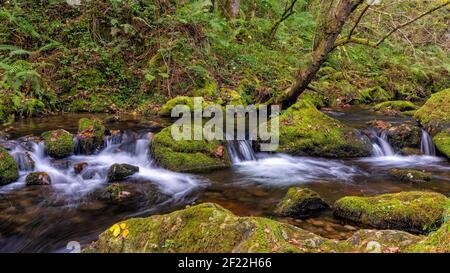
[[188, 155], [410, 175], [58, 143], [9, 171], [38, 178], [417, 212], [300, 203], [304, 130], [120, 172]]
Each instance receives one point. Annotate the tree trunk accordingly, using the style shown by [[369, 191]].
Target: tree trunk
[[229, 8], [329, 27]]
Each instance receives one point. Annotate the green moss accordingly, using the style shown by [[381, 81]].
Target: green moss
[[9, 171], [435, 112], [90, 135], [398, 105], [437, 241], [442, 142], [300, 202], [182, 100], [410, 175], [305, 130], [209, 228], [188, 155], [376, 94], [410, 211], [58, 143]]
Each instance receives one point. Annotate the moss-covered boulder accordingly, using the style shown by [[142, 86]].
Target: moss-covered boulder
[[410, 175], [58, 143], [166, 109], [38, 178], [435, 113], [188, 155], [397, 105], [381, 241], [304, 130], [437, 241], [442, 142], [404, 135], [120, 172], [9, 171], [414, 211], [208, 228], [90, 136], [375, 94], [300, 203]]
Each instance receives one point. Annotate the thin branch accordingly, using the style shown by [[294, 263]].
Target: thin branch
[[366, 8], [410, 22]]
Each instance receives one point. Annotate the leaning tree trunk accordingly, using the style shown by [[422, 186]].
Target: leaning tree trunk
[[330, 26], [229, 8]]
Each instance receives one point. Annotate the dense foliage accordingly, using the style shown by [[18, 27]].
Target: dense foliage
[[132, 55]]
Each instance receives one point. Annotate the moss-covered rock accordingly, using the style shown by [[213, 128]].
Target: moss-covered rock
[[188, 155], [410, 175], [9, 171], [58, 143], [437, 241], [166, 109], [120, 172], [375, 94], [90, 135], [442, 142], [304, 130], [404, 135], [413, 211], [398, 105], [435, 113], [208, 228], [300, 203], [381, 241], [38, 178]]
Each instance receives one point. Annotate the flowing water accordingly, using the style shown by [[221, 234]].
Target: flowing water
[[77, 207]]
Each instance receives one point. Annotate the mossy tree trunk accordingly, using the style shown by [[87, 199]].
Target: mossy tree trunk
[[229, 8], [331, 23]]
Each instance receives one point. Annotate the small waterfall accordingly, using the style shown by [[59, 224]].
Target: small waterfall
[[23, 158], [381, 146], [426, 144], [241, 150]]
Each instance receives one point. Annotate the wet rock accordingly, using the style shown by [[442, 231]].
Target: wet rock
[[120, 172], [8, 144], [300, 203], [304, 130], [379, 124], [410, 151], [434, 114], [207, 228], [58, 143], [61, 164], [90, 136], [442, 142], [114, 136], [381, 241], [79, 167], [410, 175], [404, 135], [28, 142], [414, 211], [9, 171], [38, 178], [397, 105], [24, 161], [188, 155]]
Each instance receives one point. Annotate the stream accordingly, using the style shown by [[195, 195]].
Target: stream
[[76, 207]]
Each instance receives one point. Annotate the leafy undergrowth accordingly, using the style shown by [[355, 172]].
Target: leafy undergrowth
[[109, 56]]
